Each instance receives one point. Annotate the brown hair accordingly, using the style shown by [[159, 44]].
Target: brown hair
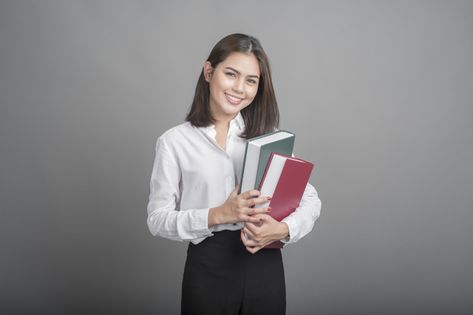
[[262, 115]]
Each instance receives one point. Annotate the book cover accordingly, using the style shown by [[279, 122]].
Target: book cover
[[287, 177], [271, 177], [283, 147], [257, 153]]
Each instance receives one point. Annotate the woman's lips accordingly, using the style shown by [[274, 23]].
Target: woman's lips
[[234, 100]]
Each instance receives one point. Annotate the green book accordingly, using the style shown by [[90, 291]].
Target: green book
[[257, 153]]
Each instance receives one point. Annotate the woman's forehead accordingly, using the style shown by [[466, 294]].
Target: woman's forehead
[[245, 63]]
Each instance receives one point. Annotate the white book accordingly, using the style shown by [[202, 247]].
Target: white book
[[257, 154], [271, 178]]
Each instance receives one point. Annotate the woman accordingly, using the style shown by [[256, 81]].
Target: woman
[[194, 193]]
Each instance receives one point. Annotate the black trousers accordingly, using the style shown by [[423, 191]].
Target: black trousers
[[222, 277]]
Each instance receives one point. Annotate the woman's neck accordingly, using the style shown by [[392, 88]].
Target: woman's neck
[[221, 130]]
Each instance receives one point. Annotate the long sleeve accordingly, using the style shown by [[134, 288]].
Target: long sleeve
[[164, 216], [302, 220]]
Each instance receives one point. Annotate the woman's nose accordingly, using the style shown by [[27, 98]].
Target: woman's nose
[[238, 86]]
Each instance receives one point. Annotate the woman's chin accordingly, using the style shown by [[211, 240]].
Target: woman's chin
[[230, 109]]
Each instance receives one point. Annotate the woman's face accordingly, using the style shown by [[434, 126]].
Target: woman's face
[[233, 84]]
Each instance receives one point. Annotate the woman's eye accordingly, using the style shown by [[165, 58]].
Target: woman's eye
[[251, 81], [231, 74]]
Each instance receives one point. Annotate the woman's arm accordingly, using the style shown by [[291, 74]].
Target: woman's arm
[[290, 230], [166, 220], [302, 220], [239, 208]]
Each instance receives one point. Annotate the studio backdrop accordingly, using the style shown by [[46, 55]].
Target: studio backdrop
[[378, 93]]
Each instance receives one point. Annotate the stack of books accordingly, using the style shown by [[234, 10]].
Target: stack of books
[[270, 168]]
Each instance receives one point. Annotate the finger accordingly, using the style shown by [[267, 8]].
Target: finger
[[253, 225], [257, 211], [248, 233], [251, 230], [256, 201], [242, 236], [247, 241], [252, 239], [253, 249], [265, 217], [250, 194], [260, 216], [249, 218]]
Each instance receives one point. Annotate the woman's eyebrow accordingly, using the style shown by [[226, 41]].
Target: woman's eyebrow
[[238, 72]]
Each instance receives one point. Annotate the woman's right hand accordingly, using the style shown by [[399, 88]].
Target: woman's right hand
[[238, 208]]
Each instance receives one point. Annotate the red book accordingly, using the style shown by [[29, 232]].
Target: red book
[[285, 180]]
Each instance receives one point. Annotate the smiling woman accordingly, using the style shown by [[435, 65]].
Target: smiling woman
[[240, 51], [194, 187], [233, 84]]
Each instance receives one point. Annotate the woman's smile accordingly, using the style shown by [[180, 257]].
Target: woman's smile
[[234, 100], [233, 84]]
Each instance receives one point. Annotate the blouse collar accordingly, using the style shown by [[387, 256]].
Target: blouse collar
[[237, 126]]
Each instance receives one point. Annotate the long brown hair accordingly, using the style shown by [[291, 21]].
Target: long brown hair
[[262, 115]]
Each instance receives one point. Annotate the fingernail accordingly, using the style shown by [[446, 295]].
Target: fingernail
[[269, 209]]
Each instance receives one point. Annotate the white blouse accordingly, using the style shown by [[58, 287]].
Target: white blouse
[[192, 174]]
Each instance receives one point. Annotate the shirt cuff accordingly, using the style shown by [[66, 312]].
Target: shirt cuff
[[291, 229], [196, 224], [202, 221]]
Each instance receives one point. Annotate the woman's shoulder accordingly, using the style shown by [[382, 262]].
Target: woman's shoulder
[[177, 134]]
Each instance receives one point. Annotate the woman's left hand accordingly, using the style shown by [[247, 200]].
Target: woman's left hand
[[255, 236]]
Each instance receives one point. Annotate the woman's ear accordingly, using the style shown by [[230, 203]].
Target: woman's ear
[[208, 70]]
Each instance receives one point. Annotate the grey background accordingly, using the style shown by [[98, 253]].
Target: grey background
[[379, 94]]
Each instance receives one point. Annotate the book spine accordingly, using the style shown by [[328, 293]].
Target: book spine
[[266, 171], [243, 169]]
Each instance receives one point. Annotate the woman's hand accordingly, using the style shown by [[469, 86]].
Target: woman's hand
[[238, 208], [257, 235]]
